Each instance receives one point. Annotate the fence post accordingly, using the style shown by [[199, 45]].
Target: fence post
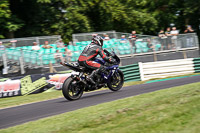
[[5, 70], [41, 62], [141, 71], [21, 62], [37, 40], [132, 51], [155, 56], [114, 32], [184, 54], [21, 65], [51, 68]]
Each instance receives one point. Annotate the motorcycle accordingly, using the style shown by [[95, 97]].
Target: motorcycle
[[74, 86]]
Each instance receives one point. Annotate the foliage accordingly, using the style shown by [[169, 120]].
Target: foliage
[[8, 22], [178, 12], [65, 17]]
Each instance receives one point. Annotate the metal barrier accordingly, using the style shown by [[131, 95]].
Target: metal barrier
[[28, 41], [131, 72], [143, 43], [147, 44], [196, 65], [88, 36], [19, 59], [160, 69], [134, 72], [32, 59]]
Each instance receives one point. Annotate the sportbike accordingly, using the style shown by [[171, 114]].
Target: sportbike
[[76, 84]]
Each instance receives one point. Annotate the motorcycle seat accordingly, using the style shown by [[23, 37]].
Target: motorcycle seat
[[75, 64], [76, 67]]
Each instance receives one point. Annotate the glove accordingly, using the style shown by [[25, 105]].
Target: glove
[[106, 51], [111, 60]]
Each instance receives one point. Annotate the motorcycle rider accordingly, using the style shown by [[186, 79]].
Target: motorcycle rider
[[88, 55]]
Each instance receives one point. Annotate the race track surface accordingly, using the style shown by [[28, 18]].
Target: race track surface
[[21, 114]]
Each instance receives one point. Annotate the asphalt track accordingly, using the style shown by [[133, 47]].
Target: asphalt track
[[25, 113]]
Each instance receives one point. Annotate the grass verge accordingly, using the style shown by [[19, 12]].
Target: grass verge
[[179, 76], [20, 100], [174, 110]]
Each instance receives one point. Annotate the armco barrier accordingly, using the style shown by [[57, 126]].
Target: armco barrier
[[162, 69], [134, 72], [131, 72], [196, 65]]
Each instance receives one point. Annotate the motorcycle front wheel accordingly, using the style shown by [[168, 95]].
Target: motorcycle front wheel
[[72, 89], [116, 81]]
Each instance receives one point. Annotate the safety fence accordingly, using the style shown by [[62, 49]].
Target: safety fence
[[196, 65], [160, 69], [124, 45], [22, 56], [131, 72], [28, 41], [25, 57], [135, 72], [79, 37]]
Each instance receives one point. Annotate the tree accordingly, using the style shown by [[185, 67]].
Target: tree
[[178, 12], [65, 17], [8, 23], [45, 17]]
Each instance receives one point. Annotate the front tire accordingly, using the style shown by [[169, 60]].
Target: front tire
[[72, 89], [116, 81]]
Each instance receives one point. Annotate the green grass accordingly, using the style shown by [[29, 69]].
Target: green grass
[[3, 79], [20, 100], [64, 72], [184, 75], [174, 110]]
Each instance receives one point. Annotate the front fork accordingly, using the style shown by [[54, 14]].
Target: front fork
[[107, 77]]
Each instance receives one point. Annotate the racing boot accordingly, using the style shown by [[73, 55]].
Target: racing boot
[[91, 76], [95, 73]]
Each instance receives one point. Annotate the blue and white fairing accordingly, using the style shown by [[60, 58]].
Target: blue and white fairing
[[112, 68]]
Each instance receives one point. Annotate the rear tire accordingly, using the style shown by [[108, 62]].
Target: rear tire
[[71, 89], [116, 81]]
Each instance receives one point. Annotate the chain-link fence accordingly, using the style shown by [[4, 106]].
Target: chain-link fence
[[88, 36], [28, 41], [25, 57], [125, 46], [146, 43], [18, 53]]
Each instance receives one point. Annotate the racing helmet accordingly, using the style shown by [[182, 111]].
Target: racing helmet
[[98, 40]]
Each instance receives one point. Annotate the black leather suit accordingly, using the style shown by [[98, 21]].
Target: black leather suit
[[88, 55]]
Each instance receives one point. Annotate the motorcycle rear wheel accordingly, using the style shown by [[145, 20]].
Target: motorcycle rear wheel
[[116, 81], [71, 89]]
